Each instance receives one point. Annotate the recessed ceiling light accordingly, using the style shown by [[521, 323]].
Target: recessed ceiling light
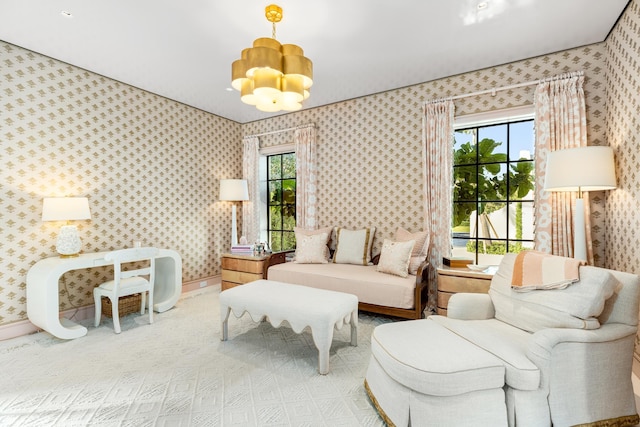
[[229, 89], [483, 5], [66, 14]]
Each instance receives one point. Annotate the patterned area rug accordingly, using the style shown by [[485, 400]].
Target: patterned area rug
[[177, 372]]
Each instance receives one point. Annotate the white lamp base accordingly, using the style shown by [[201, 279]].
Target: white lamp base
[[234, 227], [579, 235], [68, 243]]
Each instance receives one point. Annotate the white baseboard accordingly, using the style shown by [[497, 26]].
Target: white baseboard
[[25, 327]]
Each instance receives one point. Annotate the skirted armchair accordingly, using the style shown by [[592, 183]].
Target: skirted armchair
[[567, 353]]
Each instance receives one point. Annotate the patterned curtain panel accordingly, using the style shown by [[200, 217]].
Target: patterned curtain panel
[[251, 208], [561, 122], [305, 140], [437, 155]]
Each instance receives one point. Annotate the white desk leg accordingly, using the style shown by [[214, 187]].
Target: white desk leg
[[43, 307], [168, 283]]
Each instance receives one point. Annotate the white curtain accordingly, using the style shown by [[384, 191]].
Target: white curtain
[[561, 122], [437, 155], [305, 141], [251, 208]]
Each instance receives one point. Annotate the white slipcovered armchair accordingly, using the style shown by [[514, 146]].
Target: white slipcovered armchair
[[557, 372]]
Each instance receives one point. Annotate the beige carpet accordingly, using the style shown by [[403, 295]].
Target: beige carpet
[[177, 372]]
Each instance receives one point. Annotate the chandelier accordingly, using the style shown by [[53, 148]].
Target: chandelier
[[270, 75]]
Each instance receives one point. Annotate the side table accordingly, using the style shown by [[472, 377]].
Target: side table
[[454, 280], [241, 269]]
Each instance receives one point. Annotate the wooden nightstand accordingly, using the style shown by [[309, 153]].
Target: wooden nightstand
[[240, 269], [454, 280]]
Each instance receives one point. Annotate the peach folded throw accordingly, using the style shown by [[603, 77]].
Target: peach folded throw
[[539, 270]]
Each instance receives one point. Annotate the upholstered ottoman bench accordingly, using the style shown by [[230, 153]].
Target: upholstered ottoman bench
[[300, 306], [422, 374]]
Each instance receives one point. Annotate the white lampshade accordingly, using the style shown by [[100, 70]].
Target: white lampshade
[[68, 243], [580, 169], [65, 208], [234, 190]]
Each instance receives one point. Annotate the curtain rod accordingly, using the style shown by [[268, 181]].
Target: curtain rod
[[281, 130], [493, 91]]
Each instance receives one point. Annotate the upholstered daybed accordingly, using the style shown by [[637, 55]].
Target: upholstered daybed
[[377, 291]]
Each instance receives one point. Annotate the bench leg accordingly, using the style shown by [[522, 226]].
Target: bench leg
[[354, 328], [225, 323], [323, 344]]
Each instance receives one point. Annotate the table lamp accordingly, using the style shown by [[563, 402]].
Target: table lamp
[[234, 190], [580, 169], [67, 209]]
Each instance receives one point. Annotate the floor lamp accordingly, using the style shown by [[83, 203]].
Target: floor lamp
[[234, 190], [580, 169]]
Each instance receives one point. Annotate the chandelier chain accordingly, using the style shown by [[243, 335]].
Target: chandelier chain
[[273, 30]]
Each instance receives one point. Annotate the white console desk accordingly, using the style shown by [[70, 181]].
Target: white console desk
[[43, 305]]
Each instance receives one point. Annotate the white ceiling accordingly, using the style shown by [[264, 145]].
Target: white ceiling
[[183, 49]]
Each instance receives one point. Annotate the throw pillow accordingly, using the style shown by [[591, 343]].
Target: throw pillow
[[311, 249], [395, 256], [299, 232], [419, 252], [353, 246], [576, 306]]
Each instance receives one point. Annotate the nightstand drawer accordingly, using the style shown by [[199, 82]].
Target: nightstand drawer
[[248, 266], [463, 284], [239, 276]]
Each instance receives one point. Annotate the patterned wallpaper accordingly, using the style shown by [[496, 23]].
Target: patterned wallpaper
[[150, 166], [622, 130], [369, 168]]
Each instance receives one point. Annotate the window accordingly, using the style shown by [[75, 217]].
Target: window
[[493, 189], [281, 205]]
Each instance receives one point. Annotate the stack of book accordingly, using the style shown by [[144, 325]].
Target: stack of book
[[456, 262], [242, 249]]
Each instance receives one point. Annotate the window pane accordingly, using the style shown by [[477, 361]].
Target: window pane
[[521, 180], [275, 192], [492, 183], [276, 241], [289, 191], [288, 217], [289, 165], [521, 140], [288, 241], [493, 221], [462, 216], [464, 183], [497, 134], [275, 167], [465, 147], [523, 220], [275, 217]]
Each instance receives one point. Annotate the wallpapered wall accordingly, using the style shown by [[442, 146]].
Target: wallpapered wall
[[622, 130], [63, 130], [369, 168], [150, 167]]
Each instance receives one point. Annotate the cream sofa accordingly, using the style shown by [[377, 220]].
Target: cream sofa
[[567, 354], [377, 292]]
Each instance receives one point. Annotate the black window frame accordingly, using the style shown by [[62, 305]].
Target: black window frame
[[509, 240], [281, 231]]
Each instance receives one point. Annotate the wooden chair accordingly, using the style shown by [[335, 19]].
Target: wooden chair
[[127, 282]]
